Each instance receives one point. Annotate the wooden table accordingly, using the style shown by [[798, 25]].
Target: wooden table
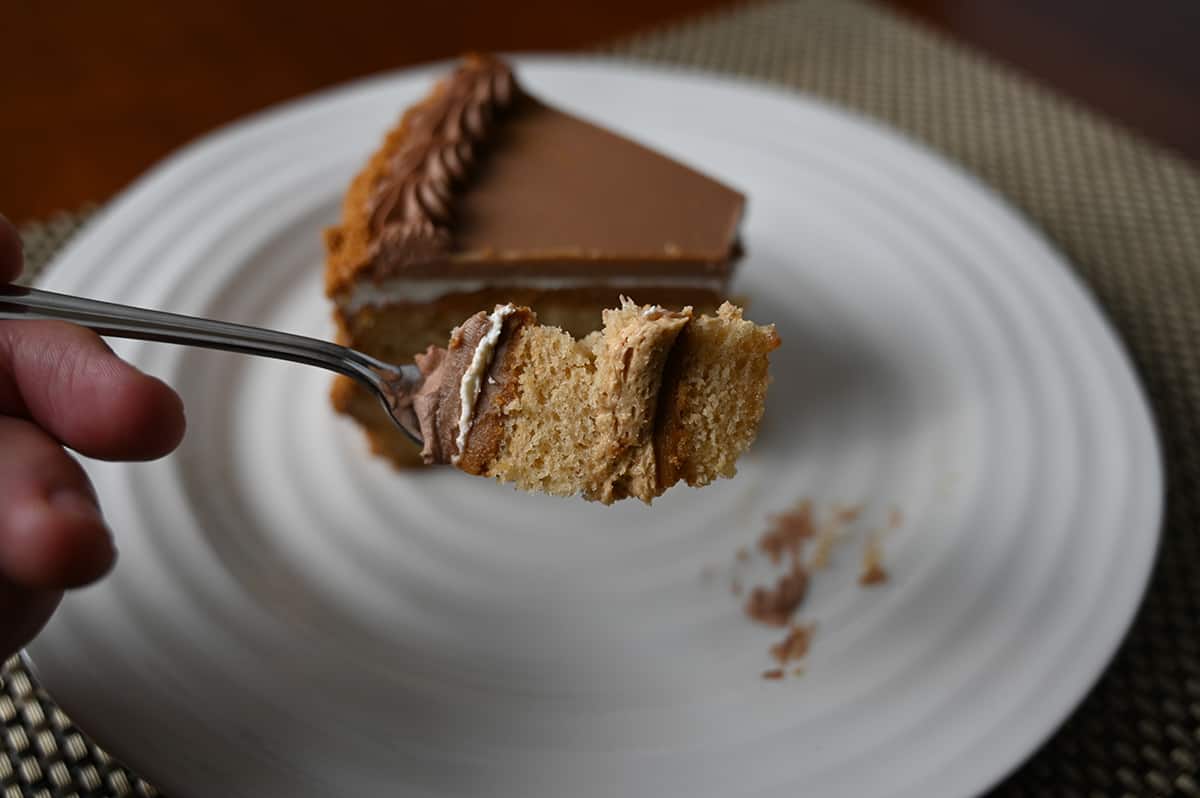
[[94, 93]]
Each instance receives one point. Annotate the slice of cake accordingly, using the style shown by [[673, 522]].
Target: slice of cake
[[654, 398], [484, 195]]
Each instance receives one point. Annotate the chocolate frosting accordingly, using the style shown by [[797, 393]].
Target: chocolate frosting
[[438, 403], [629, 380], [410, 209]]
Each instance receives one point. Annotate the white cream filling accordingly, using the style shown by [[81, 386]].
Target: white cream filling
[[370, 295], [472, 381]]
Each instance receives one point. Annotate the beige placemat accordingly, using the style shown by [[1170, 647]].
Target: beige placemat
[[1128, 216]]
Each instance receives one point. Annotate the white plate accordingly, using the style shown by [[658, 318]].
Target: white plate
[[292, 618]]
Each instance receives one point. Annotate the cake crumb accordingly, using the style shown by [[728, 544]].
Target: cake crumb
[[776, 605], [793, 647], [847, 515], [788, 532], [873, 572], [830, 533], [826, 539], [785, 544]]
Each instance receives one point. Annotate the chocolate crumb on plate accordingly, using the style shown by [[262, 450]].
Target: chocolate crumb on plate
[[788, 532], [795, 646], [826, 539], [847, 515], [785, 543], [873, 572], [831, 533], [776, 605]]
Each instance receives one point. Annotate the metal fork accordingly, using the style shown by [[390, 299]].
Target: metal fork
[[393, 385]]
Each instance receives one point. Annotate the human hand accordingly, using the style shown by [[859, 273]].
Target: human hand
[[61, 386]]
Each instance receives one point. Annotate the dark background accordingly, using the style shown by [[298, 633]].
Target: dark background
[[93, 93]]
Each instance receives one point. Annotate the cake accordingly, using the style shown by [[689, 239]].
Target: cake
[[654, 398], [484, 195]]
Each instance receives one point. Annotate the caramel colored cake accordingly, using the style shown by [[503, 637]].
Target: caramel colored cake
[[654, 398], [484, 195]]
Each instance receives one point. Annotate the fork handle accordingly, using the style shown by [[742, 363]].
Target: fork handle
[[125, 321]]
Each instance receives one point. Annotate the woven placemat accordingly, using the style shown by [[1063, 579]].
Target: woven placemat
[[1126, 213]]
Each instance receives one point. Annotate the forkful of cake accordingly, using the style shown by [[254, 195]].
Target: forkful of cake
[[653, 398]]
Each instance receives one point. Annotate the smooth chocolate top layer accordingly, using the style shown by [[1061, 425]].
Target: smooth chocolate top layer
[[554, 185], [480, 178]]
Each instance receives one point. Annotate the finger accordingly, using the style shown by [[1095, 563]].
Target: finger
[[51, 532], [10, 252], [25, 612], [67, 380]]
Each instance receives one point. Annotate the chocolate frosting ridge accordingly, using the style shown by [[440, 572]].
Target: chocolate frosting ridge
[[410, 207]]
